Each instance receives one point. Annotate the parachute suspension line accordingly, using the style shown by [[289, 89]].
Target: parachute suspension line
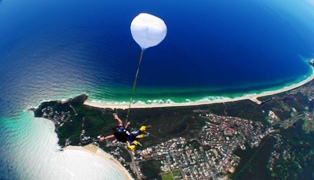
[[134, 84]]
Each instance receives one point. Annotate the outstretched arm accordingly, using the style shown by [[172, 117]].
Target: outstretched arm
[[115, 116], [127, 125], [107, 137]]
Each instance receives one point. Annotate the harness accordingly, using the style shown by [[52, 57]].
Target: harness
[[120, 133]]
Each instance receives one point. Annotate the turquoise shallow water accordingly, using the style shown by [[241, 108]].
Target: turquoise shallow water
[[30, 151], [214, 49]]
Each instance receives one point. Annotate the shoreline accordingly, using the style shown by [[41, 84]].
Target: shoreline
[[252, 97], [96, 151]]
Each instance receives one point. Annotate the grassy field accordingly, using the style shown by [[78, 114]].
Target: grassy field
[[176, 173], [167, 176], [171, 175]]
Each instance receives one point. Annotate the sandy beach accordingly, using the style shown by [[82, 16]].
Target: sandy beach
[[252, 97], [94, 150]]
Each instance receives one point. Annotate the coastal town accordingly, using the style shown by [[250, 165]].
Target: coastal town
[[210, 155]]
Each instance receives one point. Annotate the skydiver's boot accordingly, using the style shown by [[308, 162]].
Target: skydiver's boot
[[140, 136], [130, 147], [144, 128], [144, 134], [136, 143]]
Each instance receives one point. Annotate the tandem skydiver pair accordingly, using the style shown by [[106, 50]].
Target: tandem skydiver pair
[[123, 134]]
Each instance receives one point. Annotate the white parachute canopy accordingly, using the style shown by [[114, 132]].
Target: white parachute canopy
[[148, 30]]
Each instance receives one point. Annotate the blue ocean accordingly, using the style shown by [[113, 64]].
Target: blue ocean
[[59, 49]]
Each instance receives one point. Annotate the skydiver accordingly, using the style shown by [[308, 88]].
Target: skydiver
[[123, 134], [119, 132]]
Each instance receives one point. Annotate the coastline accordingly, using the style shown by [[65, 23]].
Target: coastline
[[252, 97], [96, 151]]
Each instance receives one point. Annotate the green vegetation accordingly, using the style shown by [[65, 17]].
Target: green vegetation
[[167, 176], [195, 144], [308, 125], [296, 154], [96, 121], [151, 169], [253, 161], [176, 173]]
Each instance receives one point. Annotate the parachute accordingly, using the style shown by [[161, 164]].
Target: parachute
[[148, 30]]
